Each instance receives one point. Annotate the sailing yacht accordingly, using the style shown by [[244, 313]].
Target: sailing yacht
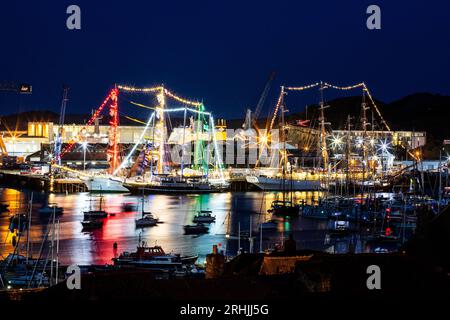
[[95, 213], [147, 219], [203, 216]]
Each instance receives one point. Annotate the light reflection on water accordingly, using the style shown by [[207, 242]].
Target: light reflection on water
[[96, 247]]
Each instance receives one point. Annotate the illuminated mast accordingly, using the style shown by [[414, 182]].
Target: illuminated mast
[[323, 137], [161, 128], [113, 144]]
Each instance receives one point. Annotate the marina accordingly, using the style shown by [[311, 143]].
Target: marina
[[339, 194], [224, 160]]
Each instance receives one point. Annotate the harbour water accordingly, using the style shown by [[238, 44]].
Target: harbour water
[[233, 212]]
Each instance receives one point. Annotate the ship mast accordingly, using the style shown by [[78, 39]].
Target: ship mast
[[283, 136], [323, 138], [162, 130], [364, 123], [347, 154]]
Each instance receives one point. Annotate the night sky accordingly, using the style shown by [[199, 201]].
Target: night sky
[[220, 51]]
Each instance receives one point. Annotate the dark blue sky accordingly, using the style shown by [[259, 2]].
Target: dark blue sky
[[220, 51]]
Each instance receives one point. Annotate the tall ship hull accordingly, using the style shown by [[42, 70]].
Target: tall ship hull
[[176, 188], [274, 184], [104, 184]]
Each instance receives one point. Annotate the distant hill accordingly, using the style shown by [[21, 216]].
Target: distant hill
[[422, 112]]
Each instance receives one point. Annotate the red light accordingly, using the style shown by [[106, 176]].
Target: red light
[[388, 231]]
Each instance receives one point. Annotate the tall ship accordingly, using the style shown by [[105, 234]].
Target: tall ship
[[152, 161], [178, 158], [281, 174], [173, 184], [309, 155]]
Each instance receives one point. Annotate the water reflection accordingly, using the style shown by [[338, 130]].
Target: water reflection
[[232, 210]]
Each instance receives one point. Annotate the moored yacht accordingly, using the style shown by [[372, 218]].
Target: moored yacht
[[276, 184], [95, 213], [146, 221]]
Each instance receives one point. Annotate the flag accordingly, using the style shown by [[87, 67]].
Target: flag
[[302, 123]]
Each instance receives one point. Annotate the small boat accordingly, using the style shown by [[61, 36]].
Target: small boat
[[198, 228], [92, 224], [204, 216], [95, 214], [153, 258], [146, 221], [284, 208], [50, 209]]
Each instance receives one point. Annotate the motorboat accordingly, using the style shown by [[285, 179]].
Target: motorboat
[[204, 216], [153, 258], [198, 228]]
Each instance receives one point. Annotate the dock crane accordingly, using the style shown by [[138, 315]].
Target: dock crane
[[252, 117], [62, 114], [21, 88]]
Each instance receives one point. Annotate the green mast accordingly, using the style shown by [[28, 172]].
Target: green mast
[[200, 156]]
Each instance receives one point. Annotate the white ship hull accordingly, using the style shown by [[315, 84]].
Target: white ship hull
[[104, 184], [274, 184]]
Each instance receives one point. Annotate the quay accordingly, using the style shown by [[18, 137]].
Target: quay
[[38, 182]]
